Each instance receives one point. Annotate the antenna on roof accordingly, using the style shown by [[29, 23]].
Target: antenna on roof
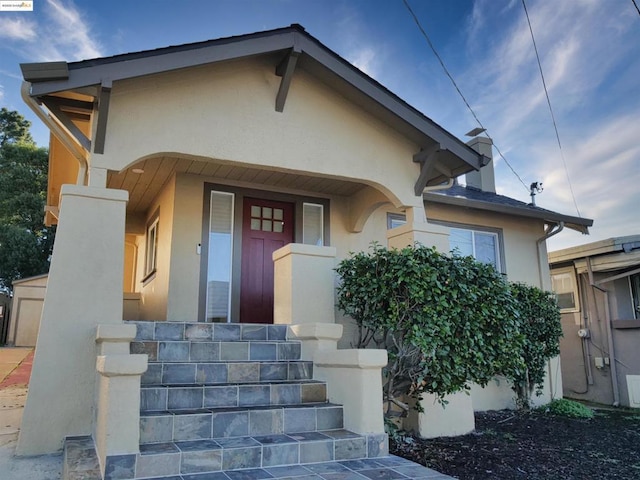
[[535, 187]]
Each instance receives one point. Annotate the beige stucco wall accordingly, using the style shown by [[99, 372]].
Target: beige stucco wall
[[28, 297], [319, 131], [154, 289]]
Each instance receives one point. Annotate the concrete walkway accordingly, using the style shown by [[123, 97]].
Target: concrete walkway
[[15, 370]]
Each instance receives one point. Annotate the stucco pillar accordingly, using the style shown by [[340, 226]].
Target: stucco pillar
[[304, 284], [84, 290], [354, 378], [418, 230], [450, 420]]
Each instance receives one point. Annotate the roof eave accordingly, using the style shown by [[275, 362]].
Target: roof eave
[[578, 224]]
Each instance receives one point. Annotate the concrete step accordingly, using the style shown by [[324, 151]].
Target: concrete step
[[176, 397], [182, 373], [210, 423]]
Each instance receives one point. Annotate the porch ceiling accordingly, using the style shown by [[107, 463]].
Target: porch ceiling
[[144, 187]]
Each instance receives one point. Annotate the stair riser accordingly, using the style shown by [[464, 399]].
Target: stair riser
[[228, 372], [220, 332], [180, 398], [191, 351], [162, 428]]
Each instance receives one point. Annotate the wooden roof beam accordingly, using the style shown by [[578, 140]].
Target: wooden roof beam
[[285, 70]]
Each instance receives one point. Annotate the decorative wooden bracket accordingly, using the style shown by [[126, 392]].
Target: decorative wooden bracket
[[427, 159], [285, 70], [104, 97]]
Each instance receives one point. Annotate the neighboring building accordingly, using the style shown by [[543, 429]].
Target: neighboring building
[[5, 313], [221, 182], [28, 297], [598, 289]]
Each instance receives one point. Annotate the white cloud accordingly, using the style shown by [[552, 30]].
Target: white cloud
[[17, 29], [60, 32], [590, 60], [72, 32]]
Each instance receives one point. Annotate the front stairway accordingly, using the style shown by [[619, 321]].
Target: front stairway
[[236, 402]]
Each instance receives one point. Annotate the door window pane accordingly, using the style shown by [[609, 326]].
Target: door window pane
[[220, 256], [312, 224]]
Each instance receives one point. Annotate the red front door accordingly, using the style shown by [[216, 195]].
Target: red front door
[[266, 226]]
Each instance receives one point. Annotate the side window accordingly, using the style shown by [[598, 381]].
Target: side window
[[313, 224], [150, 261], [481, 245], [563, 283], [395, 220]]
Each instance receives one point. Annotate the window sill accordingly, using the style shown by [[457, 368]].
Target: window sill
[[624, 324]]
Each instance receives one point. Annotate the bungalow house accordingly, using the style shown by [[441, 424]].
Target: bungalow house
[[206, 192], [598, 289]]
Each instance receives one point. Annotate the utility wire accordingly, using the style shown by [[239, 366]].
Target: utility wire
[[446, 71], [636, 5], [553, 118]]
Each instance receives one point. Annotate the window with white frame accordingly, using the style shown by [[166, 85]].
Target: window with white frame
[[563, 284], [151, 256], [484, 246], [313, 224], [395, 220]]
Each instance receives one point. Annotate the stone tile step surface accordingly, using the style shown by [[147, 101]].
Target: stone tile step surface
[[204, 424], [168, 397], [202, 332], [246, 454], [182, 373], [217, 351], [81, 462]]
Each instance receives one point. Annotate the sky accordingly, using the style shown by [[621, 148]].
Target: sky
[[589, 52]]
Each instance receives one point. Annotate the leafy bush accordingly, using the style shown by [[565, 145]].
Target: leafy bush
[[567, 408], [444, 320], [540, 324]]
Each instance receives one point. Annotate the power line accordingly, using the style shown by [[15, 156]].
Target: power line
[[446, 71], [636, 5], [553, 118]]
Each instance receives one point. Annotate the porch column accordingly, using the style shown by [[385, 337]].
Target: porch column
[[418, 230], [304, 284], [83, 291]]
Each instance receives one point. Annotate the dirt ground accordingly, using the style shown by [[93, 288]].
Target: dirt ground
[[533, 446]]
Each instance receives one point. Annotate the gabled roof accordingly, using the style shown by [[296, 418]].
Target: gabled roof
[[291, 47], [473, 198]]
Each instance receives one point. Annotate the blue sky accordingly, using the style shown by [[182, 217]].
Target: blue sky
[[590, 53]]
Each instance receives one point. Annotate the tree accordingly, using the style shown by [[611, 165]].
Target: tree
[[541, 327], [25, 242], [14, 128], [445, 320]]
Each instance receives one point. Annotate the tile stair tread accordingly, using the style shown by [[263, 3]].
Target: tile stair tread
[[305, 381], [197, 411]]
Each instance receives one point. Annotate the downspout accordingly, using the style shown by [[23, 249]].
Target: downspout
[[607, 321], [60, 132], [550, 231], [444, 186]]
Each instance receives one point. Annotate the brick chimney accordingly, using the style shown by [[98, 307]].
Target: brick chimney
[[484, 179]]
